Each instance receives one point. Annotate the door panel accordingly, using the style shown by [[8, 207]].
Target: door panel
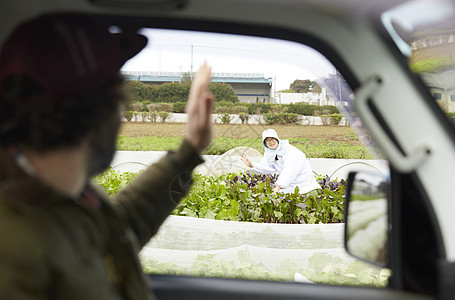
[[178, 287]]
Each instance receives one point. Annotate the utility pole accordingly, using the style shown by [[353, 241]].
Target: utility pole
[[191, 70], [274, 89], [159, 61]]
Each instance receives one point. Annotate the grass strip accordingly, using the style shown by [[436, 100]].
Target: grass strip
[[317, 149]]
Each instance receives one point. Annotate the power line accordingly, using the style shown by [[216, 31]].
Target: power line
[[288, 54]]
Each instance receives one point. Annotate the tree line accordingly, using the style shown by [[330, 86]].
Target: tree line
[[174, 92], [153, 97]]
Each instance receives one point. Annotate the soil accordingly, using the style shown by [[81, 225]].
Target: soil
[[343, 134]]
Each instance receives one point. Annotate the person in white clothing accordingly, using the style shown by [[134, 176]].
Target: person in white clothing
[[287, 161]]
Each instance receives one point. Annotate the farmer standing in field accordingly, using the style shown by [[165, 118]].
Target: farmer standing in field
[[286, 160], [60, 99]]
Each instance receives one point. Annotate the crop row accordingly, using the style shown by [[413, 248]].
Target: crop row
[[248, 197]]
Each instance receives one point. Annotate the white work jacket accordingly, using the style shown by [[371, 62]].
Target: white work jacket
[[293, 169]]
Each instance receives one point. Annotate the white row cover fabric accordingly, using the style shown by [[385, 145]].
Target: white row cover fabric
[[135, 161], [289, 252], [230, 162], [368, 228]]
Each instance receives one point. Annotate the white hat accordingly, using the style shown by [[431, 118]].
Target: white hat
[[269, 133]]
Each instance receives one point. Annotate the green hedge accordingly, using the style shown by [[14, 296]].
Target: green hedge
[[237, 109], [258, 108], [178, 107], [311, 110], [335, 119], [240, 108], [281, 118]]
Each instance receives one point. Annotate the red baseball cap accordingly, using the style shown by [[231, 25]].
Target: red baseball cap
[[67, 53]]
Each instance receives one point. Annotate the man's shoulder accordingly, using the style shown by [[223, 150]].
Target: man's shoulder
[[20, 233]]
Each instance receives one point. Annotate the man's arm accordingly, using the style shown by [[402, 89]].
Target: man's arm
[[148, 200]]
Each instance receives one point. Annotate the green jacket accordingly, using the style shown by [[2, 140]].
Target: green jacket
[[56, 247]]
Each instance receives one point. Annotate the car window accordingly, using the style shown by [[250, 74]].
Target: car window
[[230, 224]]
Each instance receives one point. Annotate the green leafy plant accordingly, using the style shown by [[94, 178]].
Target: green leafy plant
[[164, 115], [281, 118], [335, 119], [244, 118], [225, 118], [128, 115], [113, 181], [153, 115], [248, 197]]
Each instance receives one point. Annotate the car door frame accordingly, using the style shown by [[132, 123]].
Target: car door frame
[[173, 287]]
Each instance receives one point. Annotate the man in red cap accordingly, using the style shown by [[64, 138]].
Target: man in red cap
[[60, 99]]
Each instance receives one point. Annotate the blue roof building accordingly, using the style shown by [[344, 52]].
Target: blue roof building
[[249, 87]]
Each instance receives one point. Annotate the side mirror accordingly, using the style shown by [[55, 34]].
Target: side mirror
[[366, 217]]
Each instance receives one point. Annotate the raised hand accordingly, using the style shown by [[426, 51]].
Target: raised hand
[[199, 108], [246, 160]]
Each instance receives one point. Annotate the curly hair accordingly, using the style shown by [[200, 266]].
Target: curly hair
[[28, 119]]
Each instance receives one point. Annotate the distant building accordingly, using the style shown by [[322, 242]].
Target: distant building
[[442, 88], [433, 41], [308, 98], [249, 87]]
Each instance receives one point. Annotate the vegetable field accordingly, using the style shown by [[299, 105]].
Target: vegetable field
[[316, 141], [233, 226], [247, 197]]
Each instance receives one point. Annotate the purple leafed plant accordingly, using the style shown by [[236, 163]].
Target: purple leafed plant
[[251, 180], [331, 185]]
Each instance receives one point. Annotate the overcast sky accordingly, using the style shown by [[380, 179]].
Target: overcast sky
[[175, 51]]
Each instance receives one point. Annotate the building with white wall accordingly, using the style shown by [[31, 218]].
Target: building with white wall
[[308, 98]]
